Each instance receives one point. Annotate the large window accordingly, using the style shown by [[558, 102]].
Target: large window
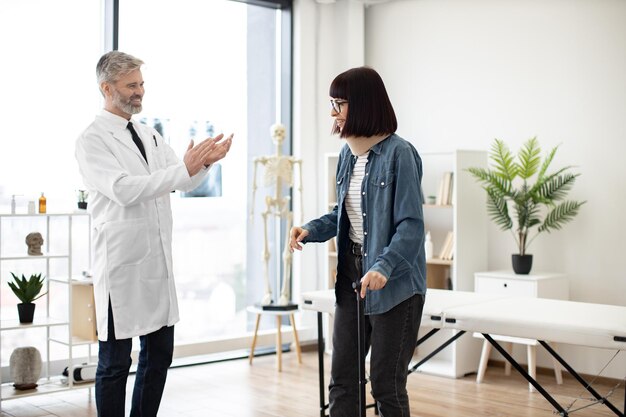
[[210, 67], [49, 95]]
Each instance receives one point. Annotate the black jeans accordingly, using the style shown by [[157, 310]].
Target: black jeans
[[114, 361], [391, 336]]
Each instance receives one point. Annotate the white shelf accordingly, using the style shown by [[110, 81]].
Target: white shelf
[[79, 281], [38, 322], [45, 386], [32, 257], [43, 215], [73, 281], [437, 261], [76, 341]]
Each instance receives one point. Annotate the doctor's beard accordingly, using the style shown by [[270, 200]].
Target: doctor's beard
[[124, 104]]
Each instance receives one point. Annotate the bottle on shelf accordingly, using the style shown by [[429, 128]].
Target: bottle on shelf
[[13, 204], [428, 246], [42, 204]]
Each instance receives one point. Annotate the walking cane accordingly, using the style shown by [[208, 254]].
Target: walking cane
[[361, 346]]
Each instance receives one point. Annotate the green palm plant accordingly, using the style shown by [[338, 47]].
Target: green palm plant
[[539, 204], [27, 290]]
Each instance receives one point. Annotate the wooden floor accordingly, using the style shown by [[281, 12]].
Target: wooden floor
[[236, 389]]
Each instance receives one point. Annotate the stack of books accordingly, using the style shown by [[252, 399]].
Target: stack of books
[[447, 249], [444, 196]]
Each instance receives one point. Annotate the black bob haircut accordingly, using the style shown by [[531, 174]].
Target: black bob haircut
[[370, 111]]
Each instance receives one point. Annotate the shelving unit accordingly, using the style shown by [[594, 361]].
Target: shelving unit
[[58, 264], [467, 218]]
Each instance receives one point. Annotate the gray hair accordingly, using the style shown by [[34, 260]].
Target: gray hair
[[115, 64]]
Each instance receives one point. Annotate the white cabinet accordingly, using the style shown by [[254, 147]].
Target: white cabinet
[[541, 285], [66, 314]]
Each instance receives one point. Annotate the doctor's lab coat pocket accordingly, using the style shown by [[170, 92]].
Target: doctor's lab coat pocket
[[158, 157], [127, 242]]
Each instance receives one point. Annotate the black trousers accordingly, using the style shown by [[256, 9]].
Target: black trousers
[[391, 336], [114, 362]]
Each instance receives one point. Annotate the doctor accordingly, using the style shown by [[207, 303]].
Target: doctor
[[130, 172]]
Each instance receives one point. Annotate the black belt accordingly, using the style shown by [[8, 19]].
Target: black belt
[[356, 249]]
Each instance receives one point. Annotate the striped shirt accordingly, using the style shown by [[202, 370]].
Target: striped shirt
[[353, 199]]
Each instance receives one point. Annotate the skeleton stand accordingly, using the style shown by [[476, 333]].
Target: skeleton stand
[[279, 171]]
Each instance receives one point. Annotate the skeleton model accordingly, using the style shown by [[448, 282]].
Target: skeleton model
[[279, 171]]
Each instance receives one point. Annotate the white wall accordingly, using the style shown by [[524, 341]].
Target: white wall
[[461, 73]]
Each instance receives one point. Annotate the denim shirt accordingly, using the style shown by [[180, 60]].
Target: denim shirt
[[393, 220]]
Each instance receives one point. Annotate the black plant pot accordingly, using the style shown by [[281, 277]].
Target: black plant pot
[[26, 311], [82, 205], [522, 264]]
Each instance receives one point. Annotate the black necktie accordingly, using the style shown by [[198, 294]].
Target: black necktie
[[137, 140]]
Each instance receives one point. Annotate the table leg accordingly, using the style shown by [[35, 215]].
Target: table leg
[[279, 346], [557, 367], [256, 329], [507, 366], [295, 338], [484, 359], [532, 365]]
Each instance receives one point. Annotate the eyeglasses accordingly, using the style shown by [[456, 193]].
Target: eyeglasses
[[336, 104]]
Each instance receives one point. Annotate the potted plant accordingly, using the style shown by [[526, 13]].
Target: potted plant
[[27, 290], [540, 204], [82, 199]]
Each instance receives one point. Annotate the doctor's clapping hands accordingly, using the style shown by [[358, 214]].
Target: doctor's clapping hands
[[206, 153]]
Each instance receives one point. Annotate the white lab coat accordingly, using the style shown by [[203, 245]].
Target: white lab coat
[[129, 200]]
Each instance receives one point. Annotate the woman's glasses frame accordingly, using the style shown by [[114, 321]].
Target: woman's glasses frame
[[336, 104]]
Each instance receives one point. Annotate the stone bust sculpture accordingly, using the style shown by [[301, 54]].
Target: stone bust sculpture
[[34, 242]]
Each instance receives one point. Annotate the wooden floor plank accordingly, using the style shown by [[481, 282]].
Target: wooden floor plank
[[237, 389]]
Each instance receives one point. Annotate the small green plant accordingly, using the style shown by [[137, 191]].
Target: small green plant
[[27, 290], [508, 186]]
